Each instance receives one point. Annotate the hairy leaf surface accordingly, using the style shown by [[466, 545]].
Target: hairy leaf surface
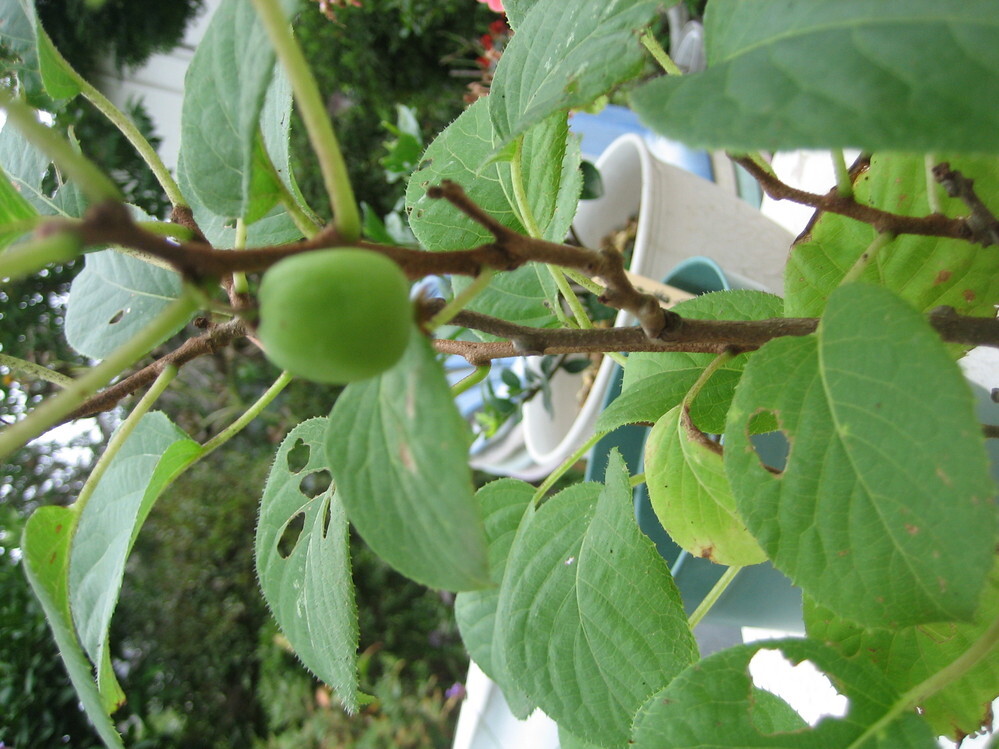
[[887, 466], [398, 449], [573, 638], [713, 704], [837, 73], [309, 588]]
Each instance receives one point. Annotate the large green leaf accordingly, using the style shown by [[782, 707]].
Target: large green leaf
[[573, 636], [690, 492], [911, 655], [887, 466], [308, 586], [113, 297], [45, 545], [225, 88], [565, 55], [927, 271], [42, 71], [463, 153], [713, 704], [837, 73], [655, 383], [109, 523], [503, 503], [398, 450]]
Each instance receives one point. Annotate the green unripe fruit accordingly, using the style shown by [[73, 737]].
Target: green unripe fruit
[[335, 316]]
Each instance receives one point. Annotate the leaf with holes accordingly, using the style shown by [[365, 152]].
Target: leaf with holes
[[573, 638], [655, 383], [14, 211], [25, 167], [113, 297], [887, 466], [108, 525], [837, 73], [691, 495], [911, 655], [303, 560], [398, 450], [926, 271], [565, 55], [45, 545], [714, 704], [503, 503], [224, 94]]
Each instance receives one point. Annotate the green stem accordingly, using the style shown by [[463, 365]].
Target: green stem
[[461, 301], [167, 229], [706, 375], [35, 371], [844, 186], [471, 381], [568, 463], [523, 205], [303, 220], [585, 281], [249, 415], [929, 687], [713, 595], [50, 412], [652, 44], [932, 187], [92, 181], [239, 283], [882, 239], [346, 215], [582, 319], [30, 257], [122, 433], [139, 142], [637, 480]]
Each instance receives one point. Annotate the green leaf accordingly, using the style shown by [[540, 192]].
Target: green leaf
[[926, 271], [911, 655], [837, 73], [45, 545], [225, 88], [113, 297], [565, 55], [13, 208], [690, 493], [464, 153], [517, 10], [389, 440], [655, 383], [25, 167], [887, 466], [713, 704], [309, 587], [503, 503], [109, 523], [40, 67], [573, 636]]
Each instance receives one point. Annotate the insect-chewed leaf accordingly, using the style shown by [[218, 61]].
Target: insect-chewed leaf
[[885, 511]]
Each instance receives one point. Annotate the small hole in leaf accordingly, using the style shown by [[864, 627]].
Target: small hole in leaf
[[116, 317], [802, 686], [771, 445], [327, 516], [298, 456], [289, 536], [315, 483]]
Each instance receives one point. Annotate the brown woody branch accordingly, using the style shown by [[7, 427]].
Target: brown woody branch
[[217, 338], [934, 225], [982, 223], [690, 335]]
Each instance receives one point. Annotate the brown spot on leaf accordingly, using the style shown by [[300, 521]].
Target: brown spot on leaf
[[969, 295], [942, 277], [407, 458], [708, 552], [944, 477], [911, 529]]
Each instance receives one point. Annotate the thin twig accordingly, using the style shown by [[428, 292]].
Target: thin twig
[[983, 224]]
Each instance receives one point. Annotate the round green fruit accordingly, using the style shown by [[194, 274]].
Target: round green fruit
[[335, 316]]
